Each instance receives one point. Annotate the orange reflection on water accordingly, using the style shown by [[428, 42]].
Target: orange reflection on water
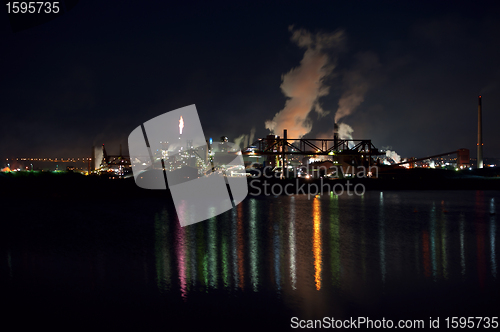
[[317, 242]]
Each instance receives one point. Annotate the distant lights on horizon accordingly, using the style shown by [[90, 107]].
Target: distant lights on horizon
[[49, 159]]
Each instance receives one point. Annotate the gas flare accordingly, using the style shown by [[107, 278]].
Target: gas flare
[[181, 125]]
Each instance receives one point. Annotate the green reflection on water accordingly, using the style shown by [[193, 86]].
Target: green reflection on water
[[443, 245], [212, 252], [254, 246], [225, 261], [162, 252]]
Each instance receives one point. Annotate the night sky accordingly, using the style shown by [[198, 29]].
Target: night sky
[[411, 70]]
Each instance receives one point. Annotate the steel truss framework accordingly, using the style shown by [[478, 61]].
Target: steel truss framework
[[311, 146]]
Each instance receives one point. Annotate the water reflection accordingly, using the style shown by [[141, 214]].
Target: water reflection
[[241, 270], [162, 251], [192, 270], [363, 237], [433, 241], [234, 246], [292, 244], [181, 259], [444, 238], [220, 255], [317, 242], [381, 228], [426, 254], [335, 239], [277, 250], [299, 250], [212, 253], [480, 238], [225, 251], [254, 246], [462, 243], [492, 247], [493, 237]]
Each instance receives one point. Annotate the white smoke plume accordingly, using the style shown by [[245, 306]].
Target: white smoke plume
[[244, 140], [304, 85], [356, 83], [252, 135], [241, 141], [345, 131], [393, 155]]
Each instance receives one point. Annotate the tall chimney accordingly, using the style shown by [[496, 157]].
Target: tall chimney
[[336, 136], [284, 150], [479, 135]]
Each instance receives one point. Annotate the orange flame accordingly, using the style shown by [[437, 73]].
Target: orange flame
[[181, 125]]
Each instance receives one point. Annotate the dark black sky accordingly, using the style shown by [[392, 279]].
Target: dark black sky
[[94, 74]]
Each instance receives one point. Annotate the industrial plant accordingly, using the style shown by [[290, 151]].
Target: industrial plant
[[281, 155]]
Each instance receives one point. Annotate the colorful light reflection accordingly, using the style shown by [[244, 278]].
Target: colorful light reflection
[[317, 242]]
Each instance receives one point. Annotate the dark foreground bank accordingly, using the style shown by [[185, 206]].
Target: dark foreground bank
[[71, 185]]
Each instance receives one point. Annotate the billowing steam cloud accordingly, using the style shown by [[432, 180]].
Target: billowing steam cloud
[[244, 140], [241, 141], [356, 83], [345, 131], [393, 155], [252, 135], [304, 85]]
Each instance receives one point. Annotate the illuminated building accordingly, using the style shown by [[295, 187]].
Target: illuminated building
[[463, 158]]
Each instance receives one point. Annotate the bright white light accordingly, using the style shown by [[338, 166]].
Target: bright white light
[[181, 125]]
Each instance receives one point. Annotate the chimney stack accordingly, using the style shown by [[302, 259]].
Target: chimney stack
[[284, 150], [479, 135], [336, 136]]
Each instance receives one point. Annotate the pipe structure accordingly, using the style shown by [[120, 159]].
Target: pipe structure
[[284, 150], [336, 137], [422, 159]]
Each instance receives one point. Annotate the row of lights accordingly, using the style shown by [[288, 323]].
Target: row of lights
[[49, 159]]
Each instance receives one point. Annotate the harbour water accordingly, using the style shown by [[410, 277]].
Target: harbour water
[[119, 260]]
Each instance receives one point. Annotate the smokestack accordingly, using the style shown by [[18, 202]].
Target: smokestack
[[335, 136], [479, 135], [285, 149]]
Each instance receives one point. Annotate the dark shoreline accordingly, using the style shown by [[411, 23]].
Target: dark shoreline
[[42, 185]]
